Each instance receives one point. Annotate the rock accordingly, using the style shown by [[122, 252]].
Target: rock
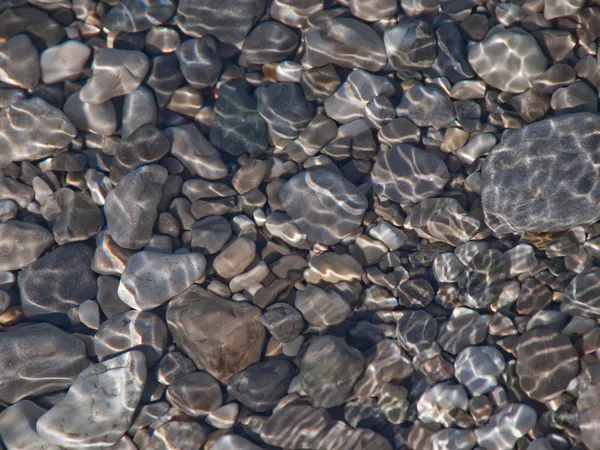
[[38, 359], [33, 21], [407, 174], [508, 60], [150, 279], [483, 280], [453, 438], [238, 127], [416, 330], [372, 12], [587, 404], [141, 331], [196, 394], [132, 16], [582, 296], [233, 442], [573, 99], [324, 205], [97, 118], [447, 268], [33, 129], [506, 427], [209, 235], [521, 259], [554, 9], [410, 45], [80, 220], [19, 63], [221, 336], [515, 160], [109, 257], [322, 308], [139, 109], [64, 61], [177, 435], [283, 429], [546, 363], [426, 106], [17, 427], [477, 369], [172, 366], [22, 243], [333, 268], [164, 78], [261, 385], [437, 402], [464, 329], [229, 20], [199, 62], [283, 321], [57, 282], [115, 73], [235, 258], [319, 83], [415, 294], [99, 407], [442, 219], [131, 226], [268, 42], [329, 370]]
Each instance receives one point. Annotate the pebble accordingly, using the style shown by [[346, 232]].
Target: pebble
[[319, 83], [150, 279], [80, 220], [139, 108], [235, 258], [174, 365], [199, 62], [407, 174], [410, 45], [221, 336], [464, 328], [38, 359], [332, 268], [177, 435], [22, 243], [484, 279], [283, 321], [97, 118], [99, 407], [131, 227], [58, 281], [436, 404], [196, 394], [233, 442], [322, 308], [268, 42], [17, 427], [582, 295], [515, 159], [133, 17], [452, 57], [426, 106], [416, 330], [477, 369], [506, 427], [19, 62], [324, 205], [447, 268], [63, 62]]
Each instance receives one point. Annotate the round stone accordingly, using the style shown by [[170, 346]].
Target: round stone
[[582, 296], [410, 45], [196, 394], [477, 368]]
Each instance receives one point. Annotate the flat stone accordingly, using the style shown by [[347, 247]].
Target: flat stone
[[17, 427], [235, 258], [426, 106], [283, 321], [114, 73], [329, 370], [174, 365], [268, 42], [438, 401], [22, 243], [262, 385], [447, 268], [19, 62], [33, 129], [573, 99], [407, 174], [324, 205], [30, 20], [506, 427], [38, 359], [199, 62], [414, 294], [132, 16], [508, 60], [516, 159], [374, 11], [57, 282], [221, 336], [410, 45], [319, 83], [64, 61], [484, 279], [463, 329], [131, 207], [229, 20], [99, 407], [477, 369], [97, 118], [452, 56], [109, 257], [80, 220], [587, 401], [130, 330], [416, 330], [546, 363], [177, 435], [150, 278], [139, 109], [196, 394], [333, 268], [209, 235], [322, 307], [582, 296]]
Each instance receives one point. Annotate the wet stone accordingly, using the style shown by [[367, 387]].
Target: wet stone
[[261, 385], [416, 330], [426, 106], [573, 99], [21, 244], [30, 20], [483, 279], [80, 220], [17, 427], [97, 118], [63, 62], [464, 329], [436, 404], [139, 109], [19, 63], [196, 394], [452, 55], [235, 258], [533, 297], [478, 369], [209, 235], [415, 294], [268, 42], [410, 45], [132, 16], [283, 321], [177, 435], [506, 426], [407, 174], [172, 366], [322, 307], [319, 83], [447, 268], [582, 296]]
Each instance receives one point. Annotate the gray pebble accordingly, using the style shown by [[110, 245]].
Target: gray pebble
[[322, 307], [283, 321], [172, 366], [199, 62], [582, 296], [21, 244], [426, 106], [477, 369], [483, 280], [268, 42], [178, 435], [79, 220], [235, 258], [196, 394], [209, 235], [464, 328], [410, 45], [97, 118], [132, 16], [19, 62], [139, 109], [17, 427]]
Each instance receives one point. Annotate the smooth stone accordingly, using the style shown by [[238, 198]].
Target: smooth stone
[[233, 442], [442, 219], [58, 281], [452, 55], [195, 152], [426, 106], [319, 83], [238, 127], [414, 294], [573, 99], [196, 394], [132, 16], [506, 427], [114, 73], [346, 43], [131, 207], [177, 435], [38, 359], [30, 20], [477, 146], [250, 279], [235, 258], [332, 267], [22, 243], [568, 169], [329, 369], [19, 62], [546, 363], [100, 405], [582, 296], [322, 308], [164, 78], [268, 42], [8, 210], [33, 129], [416, 330], [452, 438], [463, 329], [554, 9], [137, 330], [373, 11], [587, 404], [227, 20], [221, 336], [262, 385], [407, 174], [508, 60], [410, 45], [172, 366], [109, 257], [97, 118], [79, 220], [477, 369], [63, 62], [17, 427], [483, 280], [199, 62], [146, 145], [283, 321], [318, 198], [209, 235], [447, 268], [150, 278], [188, 102], [139, 109], [436, 403]]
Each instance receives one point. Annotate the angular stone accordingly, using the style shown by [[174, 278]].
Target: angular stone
[[199, 62], [196, 394], [268, 42], [19, 62], [426, 106], [131, 207], [132, 16], [221, 336], [57, 282], [150, 278], [99, 407], [22, 243], [38, 359], [283, 321], [407, 174], [64, 61], [410, 45]]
